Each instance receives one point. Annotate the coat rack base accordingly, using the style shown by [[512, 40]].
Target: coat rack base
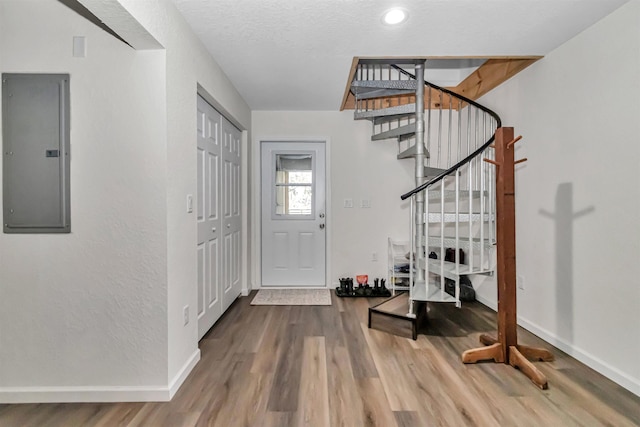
[[516, 355]]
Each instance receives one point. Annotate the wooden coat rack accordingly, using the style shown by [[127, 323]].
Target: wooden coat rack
[[505, 349]]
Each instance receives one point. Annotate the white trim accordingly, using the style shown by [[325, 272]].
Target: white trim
[[256, 194], [204, 93], [244, 212], [183, 373], [99, 394], [595, 363], [599, 365], [328, 210], [486, 301], [83, 394], [256, 224], [276, 288]]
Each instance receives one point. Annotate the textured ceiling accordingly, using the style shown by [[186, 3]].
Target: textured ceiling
[[296, 54]]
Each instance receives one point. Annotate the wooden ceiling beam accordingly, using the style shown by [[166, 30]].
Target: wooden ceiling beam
[[490, 75], [348, 100]]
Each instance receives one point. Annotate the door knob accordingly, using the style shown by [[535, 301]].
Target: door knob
[[228, 225], [321, 215], [213, 229], [321, 226]]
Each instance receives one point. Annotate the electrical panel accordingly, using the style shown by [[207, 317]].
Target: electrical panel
[[35, 149]]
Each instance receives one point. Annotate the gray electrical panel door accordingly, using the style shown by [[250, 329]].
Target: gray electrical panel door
[[35, 148]]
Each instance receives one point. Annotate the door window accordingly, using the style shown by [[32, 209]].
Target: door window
[[293, 186]]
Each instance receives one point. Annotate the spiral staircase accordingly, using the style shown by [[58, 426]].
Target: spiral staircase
[[453, 204]]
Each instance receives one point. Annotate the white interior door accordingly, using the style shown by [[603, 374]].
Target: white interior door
[[293, 214], [209, 217], [231, 221]]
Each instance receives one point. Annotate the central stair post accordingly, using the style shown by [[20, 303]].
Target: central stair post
[[420, 157]]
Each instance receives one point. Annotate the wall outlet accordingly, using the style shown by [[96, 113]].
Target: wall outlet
[[374, 256], [520, 282], [365, 203], [185, 314]]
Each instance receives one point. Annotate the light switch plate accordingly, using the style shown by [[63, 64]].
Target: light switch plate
[[189, 203], [79, 47]]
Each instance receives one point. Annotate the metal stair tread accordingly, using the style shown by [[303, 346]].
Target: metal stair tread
[[411, 152], [405, 85], [387, 119], [430, 293], [398, 110], [432, 172], [450, 195], [463, 217], [448, 268], [380, 93], [463, 242], [409, 129]]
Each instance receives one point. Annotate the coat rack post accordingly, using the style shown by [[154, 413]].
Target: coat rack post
[[505, 348]]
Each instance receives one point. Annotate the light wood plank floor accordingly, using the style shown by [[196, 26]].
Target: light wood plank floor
[[321, 366]]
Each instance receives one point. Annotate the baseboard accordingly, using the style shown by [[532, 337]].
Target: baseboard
[[614, 374], [493, 305], [598, 365], [182, 375], [99, 394], [291, 287], [83, 394]]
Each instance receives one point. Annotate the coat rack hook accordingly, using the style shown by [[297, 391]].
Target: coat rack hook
[[492, 162], [514, 141]]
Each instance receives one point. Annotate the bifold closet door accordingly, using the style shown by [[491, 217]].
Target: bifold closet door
[[231, 229], [218, 215], [209, 217]]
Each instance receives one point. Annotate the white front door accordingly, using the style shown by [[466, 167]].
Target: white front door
[[293, 214], [209, 217]]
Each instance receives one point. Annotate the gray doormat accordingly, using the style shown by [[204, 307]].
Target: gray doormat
[[292, 297]]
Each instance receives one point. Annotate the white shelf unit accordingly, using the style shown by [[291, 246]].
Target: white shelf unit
[[397, 257]]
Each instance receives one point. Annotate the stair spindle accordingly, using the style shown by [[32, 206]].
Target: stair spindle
[[440, 131], [470, 230], [469, 130], [449, 133], [442, 247]]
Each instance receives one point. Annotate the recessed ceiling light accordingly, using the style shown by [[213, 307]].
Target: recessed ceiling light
[[394, 16]]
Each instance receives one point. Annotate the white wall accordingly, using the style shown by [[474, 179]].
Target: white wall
[[97, 315], [359, 169], [88, 309], [578, 196], [188, 64]]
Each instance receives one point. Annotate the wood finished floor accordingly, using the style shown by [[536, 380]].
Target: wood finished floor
[[321, 366]]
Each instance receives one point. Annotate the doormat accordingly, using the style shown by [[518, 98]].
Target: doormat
[[292, 297]]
